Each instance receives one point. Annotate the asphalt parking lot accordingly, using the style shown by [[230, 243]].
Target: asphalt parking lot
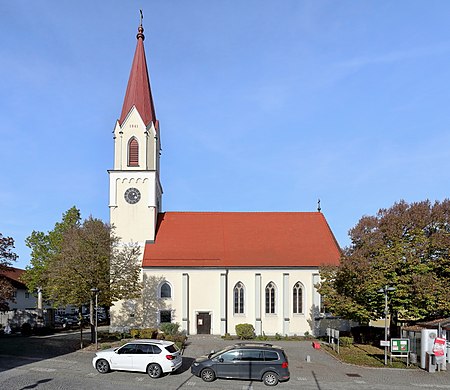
[[315, 369], [54, 363]]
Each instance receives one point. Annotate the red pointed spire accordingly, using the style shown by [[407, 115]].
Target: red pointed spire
[[138, 92]]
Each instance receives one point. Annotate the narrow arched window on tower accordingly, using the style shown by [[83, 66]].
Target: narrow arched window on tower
[[133, 153]]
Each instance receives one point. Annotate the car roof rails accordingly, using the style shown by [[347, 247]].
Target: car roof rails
[[254, 344]]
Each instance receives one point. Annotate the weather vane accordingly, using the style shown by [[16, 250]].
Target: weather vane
[[142, 16], [318, 205]]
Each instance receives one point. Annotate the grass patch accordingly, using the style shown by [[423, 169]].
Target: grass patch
[[364, 355]]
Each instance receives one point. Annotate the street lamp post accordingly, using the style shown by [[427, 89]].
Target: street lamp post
[[95, 291], [385, 291]]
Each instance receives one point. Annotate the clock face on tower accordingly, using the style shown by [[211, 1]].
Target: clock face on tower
[[132, 195]]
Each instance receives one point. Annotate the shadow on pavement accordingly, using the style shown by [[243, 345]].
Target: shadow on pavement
[[35, 385], [17, 350]]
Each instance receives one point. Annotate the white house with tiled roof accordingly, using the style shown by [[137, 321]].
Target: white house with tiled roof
[[208, 271], [23, 299]]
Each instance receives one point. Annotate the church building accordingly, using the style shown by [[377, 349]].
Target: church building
[[208, 271]]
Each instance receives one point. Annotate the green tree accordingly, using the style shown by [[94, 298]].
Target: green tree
[[44, 247], [91, 256], [76, 257], [407, 247], [7, 256]]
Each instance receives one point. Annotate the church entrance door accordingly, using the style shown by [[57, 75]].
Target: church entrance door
[[204, 323]]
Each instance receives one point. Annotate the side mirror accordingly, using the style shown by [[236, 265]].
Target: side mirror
[[221, 360]]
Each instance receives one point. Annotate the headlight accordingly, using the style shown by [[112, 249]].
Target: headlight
[[195, 364]]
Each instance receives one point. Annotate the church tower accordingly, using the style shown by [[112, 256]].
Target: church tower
[[134, 183]]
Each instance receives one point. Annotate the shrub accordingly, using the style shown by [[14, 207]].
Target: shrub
[[346, 341], [25, 329], [170, 328], [135, 333], [148, 333], [245, 331], [262, 337], [179, 339]]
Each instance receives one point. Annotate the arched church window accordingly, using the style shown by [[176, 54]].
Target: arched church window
[[133, 153], [270, 298], [239, 298], [297, 298], [166, 290]]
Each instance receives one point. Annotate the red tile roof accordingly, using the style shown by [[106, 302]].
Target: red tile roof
[[242, 239], [14, 275], [138, 90]]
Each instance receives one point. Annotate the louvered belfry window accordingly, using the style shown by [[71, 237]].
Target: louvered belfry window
[[133, 153]]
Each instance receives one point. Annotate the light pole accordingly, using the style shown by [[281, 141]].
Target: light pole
[[385, 291], [95, 291]]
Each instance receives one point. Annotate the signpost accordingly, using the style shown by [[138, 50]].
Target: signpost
[[333, 337]]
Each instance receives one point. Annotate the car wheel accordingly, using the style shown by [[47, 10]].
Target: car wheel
[[102, 366], [208, 375], [270, 379], [154, 370]]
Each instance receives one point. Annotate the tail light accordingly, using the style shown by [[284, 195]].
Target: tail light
[[170, 357], [285, 365]]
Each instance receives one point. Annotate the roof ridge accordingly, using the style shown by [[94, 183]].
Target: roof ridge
[[240, 212]]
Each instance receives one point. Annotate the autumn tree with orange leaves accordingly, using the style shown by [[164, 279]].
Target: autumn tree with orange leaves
[[406, 246]]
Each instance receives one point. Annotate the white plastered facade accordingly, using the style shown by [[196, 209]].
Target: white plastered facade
[[211, 291], [134, 223]]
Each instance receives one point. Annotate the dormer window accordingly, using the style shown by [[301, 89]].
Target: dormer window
[[133, 153]]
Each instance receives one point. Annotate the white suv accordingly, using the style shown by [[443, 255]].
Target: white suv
[[154, 357]]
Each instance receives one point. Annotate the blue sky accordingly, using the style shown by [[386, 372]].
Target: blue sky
[[264, 105]]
